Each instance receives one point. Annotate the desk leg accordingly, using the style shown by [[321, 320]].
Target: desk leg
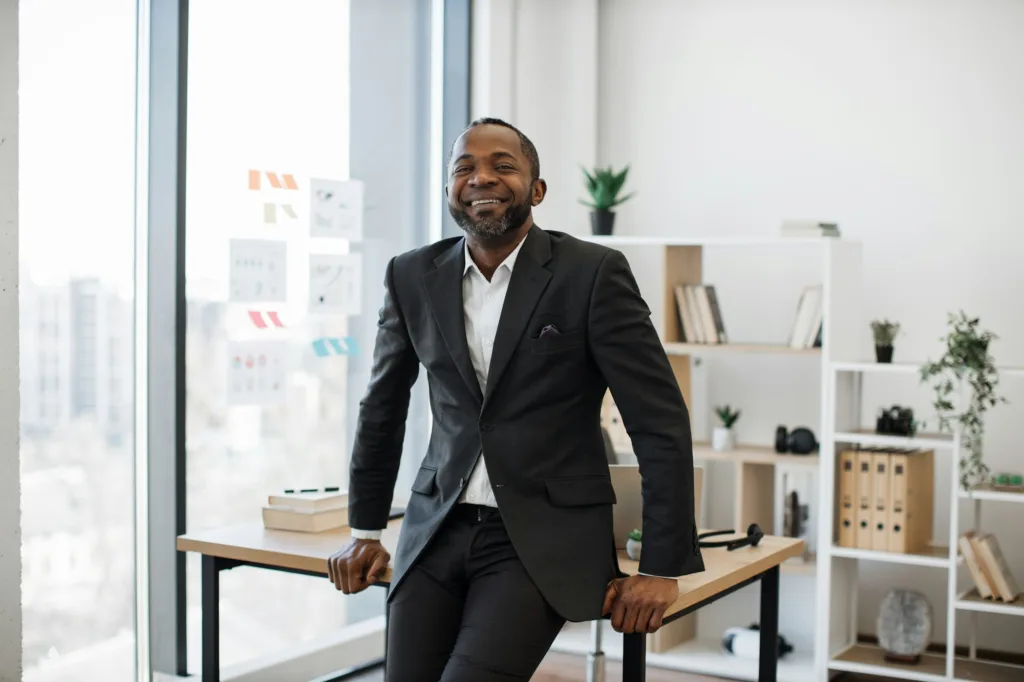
[[634, 657], [769, 626], [211, 619]]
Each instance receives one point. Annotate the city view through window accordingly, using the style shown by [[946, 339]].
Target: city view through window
[[267, 120]]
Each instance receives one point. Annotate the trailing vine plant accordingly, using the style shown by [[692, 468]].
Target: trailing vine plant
[[965, 361]]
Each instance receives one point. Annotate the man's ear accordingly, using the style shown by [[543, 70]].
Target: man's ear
[[538, 190]]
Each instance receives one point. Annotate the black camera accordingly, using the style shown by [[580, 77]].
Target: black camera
[[895, 421]]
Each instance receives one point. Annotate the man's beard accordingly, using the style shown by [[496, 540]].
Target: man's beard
[[492, 226]]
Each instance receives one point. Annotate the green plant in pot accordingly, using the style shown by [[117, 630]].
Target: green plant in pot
[[723, 438], [885, 333], [633, 544], [604, 185], [965, 365]]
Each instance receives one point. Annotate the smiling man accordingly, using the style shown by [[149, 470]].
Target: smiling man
[[508, 530]]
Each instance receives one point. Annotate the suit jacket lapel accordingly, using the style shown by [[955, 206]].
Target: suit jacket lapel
[[529, 280], [444, 287]]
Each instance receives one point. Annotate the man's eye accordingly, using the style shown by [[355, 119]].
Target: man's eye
[[505, 166]]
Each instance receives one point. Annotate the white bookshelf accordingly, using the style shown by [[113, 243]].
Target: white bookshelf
[[838, 574], [756, 467]]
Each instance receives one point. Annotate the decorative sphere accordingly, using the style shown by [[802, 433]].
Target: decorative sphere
[[904, 622]]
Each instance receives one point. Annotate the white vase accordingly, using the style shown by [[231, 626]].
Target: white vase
[[723, 439], [633, 549]]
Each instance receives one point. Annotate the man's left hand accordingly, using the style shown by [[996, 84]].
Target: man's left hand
[[638, 603]]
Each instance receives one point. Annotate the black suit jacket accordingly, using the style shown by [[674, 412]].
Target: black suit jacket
[[538, 423]]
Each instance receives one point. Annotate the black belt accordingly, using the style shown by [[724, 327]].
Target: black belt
[[475, 513]]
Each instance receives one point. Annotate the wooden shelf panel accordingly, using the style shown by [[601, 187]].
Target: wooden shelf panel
[[974, 670], [676, 348], [972, 601], [985, 493], [753, 454], [934, 556], [870, 660], [870, 438]]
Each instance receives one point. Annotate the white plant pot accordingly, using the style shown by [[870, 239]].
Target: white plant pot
[[723, 439], [633, 549]]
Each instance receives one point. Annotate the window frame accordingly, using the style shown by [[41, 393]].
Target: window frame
[[439, 108]]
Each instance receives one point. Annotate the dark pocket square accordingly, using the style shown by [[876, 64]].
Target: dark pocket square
[[549, 330]]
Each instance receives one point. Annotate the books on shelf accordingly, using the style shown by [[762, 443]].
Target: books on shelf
[[885, 499], [992, 575], [308, 511], [807, 325], [809, 228], [700, 314]]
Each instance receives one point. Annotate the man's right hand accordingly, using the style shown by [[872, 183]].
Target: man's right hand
[[357, 565]]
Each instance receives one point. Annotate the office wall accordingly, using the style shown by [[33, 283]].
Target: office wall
[[899, 120], [10, 496]]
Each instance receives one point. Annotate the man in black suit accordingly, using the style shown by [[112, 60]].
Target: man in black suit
[[508, 531]]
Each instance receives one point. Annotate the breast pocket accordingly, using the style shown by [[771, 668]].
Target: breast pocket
[[556, 343]]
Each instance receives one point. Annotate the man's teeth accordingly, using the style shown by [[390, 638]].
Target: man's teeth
[[485, 201]]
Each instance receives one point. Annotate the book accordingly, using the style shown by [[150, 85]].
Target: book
[[287, 518], [974, 565], [809, 228], [310, 500]]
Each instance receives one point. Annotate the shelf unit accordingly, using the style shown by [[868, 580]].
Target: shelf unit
[[757, 467], [837, 616]]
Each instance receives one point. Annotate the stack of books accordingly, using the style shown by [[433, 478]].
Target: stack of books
[[809, 228], [991, 573], [700, 316], [307, 510], [807, 326]]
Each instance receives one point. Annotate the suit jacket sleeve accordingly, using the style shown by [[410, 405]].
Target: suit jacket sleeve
[[632, 359], [380, 429]]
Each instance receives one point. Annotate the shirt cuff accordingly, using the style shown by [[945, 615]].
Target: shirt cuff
[[366, 534], [667, 577]]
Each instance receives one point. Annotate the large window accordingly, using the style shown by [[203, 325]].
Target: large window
[[76, 175], [284, 274]]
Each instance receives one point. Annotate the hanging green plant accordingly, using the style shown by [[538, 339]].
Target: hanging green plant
[[965, 362]]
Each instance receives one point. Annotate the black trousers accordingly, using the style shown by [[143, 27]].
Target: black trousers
[[467, 611]]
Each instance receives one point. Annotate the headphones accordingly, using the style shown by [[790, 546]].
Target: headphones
[[799, 441], [754, 535]]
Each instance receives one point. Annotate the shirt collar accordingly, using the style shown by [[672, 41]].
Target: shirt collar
[[509, 261]]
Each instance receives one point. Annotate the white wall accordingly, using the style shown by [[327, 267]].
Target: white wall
[[534, 64], [901, 120], [10, 498]]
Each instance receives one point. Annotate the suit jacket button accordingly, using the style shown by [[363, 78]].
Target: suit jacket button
[[462, 482]]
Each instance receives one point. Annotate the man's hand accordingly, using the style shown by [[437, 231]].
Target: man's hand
[[638, 603], [357, 565]]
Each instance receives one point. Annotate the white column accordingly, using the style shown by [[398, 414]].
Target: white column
[[535, 64], [10, 497]]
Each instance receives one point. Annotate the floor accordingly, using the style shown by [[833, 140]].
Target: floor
[[567, 668]]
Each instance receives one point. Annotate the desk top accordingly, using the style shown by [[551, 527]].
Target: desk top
[[251, 542]]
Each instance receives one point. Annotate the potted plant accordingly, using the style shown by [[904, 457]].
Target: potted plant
[[604, 185], [884, 332], [965, 364], [722, 438], [633, 544]]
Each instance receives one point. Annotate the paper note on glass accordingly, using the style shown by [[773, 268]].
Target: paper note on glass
[[258, 270], [335, 283], [256, 372], [336, 209]]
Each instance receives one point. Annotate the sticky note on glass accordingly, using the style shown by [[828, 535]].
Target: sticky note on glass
[[336, 209], [335, 283]]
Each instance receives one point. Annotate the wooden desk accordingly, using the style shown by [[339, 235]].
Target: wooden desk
[[306, 553]]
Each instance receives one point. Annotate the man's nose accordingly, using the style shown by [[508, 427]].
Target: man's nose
[[482, 177]]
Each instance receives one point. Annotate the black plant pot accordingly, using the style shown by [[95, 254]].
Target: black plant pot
[[602, 222], [883, 353]]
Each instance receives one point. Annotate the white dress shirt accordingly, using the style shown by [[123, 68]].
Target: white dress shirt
[[482, 302]]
